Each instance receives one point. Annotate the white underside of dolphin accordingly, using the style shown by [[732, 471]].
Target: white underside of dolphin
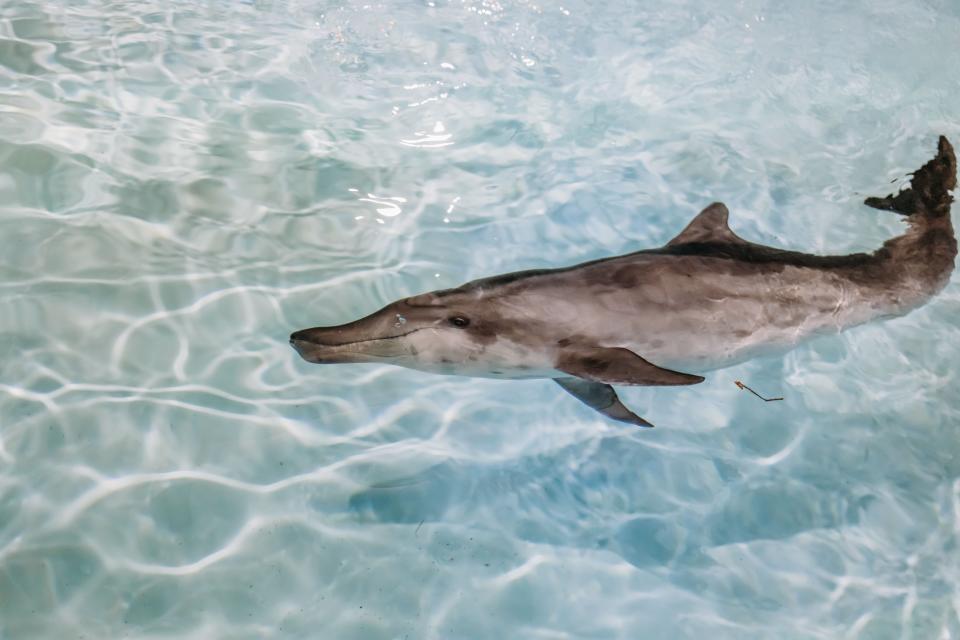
[[708, 299]]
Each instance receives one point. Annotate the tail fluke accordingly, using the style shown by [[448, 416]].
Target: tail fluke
[[929, 190]]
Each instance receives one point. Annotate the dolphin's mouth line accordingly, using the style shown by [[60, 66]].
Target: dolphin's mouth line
[[347, 344]]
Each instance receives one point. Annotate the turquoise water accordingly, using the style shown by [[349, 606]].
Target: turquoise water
[[185, 183]]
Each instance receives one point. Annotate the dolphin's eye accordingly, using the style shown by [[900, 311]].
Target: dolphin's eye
[[460, 322]]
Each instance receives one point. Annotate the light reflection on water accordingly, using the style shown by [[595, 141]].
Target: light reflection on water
[[184, 184]]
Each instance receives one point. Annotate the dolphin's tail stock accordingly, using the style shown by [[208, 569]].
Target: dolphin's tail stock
[[929, 192]]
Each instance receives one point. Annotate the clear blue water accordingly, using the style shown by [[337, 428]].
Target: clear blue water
[[184, 183]]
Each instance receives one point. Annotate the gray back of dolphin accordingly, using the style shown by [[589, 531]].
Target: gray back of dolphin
[[705, 300]]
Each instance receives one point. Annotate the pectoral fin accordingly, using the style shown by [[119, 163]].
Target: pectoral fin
[[615, 365], [600, 397]]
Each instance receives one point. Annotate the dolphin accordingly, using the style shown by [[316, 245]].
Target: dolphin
[[707, 299]]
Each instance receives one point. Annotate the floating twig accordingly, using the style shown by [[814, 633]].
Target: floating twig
[[743, 386]]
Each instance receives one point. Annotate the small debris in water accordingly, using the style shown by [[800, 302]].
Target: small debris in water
[[743, 386]]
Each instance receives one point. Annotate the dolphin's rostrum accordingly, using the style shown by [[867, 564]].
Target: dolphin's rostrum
[[706, 300]]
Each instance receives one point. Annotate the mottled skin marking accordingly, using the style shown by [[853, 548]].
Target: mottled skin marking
[[706, 299]]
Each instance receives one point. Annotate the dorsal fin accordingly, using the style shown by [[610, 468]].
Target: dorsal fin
[[710, 225]]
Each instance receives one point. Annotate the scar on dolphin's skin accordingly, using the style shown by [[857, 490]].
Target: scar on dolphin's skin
[[705, 300]]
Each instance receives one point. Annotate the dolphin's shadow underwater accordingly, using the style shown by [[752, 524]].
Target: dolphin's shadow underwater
[[576, 496], [708, 299]]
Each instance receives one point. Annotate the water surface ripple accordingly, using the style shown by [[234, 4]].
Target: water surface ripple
[[184, 183]]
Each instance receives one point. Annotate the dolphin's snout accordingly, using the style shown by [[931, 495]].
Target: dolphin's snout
[[301, 343], [364, 340], [300, 336], [322, 337]]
